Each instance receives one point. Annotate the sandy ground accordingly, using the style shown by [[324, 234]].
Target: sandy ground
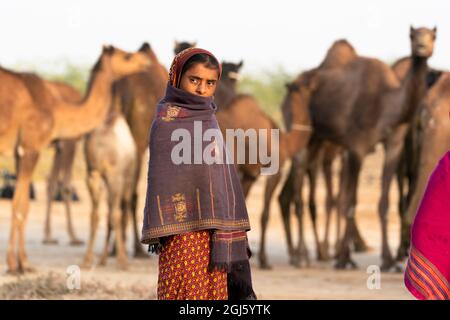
[[318, 281]]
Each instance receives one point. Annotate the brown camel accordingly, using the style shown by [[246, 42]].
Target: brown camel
[[180, 46], [110, 153], [136, 97], [408, 167], [360, 105], [61, 171], [318, 154], [227, 88], [435, 139], [245, 113], [33, 118]]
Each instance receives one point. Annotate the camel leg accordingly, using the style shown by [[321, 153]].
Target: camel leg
[[68, 154], [115, 187], [94, 183], [247, 181], [346, 206], [284, 200], [51, 189], [402, 208], [343, 176], [312, 175], [410, 161], [358, 241], [329, 204], [139, 252], [301, 253], [20, 207], [393, 148], [272, 182]]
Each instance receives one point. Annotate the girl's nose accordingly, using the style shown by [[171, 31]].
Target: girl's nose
[[201, 88]]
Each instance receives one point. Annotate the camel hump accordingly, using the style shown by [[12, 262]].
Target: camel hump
[[38, 90], [340, 53], [441, 89], [378, 72]]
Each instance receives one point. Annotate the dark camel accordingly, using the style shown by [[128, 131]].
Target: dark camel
[[408, 168], [180, 46], [227, 89], [318, 154], [32, 117], [360, 105]]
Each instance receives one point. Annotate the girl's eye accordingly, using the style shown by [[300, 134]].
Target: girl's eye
[[210, 83], [194, 81]]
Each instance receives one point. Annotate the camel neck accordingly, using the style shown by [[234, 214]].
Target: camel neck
[[74, 120], [414, 88]]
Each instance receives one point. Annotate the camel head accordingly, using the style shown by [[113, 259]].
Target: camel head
[[180, 46], [422, 41], [148, 51], [121, 63], [295, 107], [230, 71]]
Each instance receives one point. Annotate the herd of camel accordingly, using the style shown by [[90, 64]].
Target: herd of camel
[[339, 110]]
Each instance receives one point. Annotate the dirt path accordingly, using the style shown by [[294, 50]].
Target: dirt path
[[319, 281]]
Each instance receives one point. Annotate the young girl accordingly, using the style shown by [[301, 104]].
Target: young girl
[[195, 215]]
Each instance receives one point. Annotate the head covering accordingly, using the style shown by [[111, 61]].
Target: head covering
[[427, 274], [180, 60], [195, 196]]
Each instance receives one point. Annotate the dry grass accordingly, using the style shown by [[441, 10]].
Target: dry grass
[[53, 286]]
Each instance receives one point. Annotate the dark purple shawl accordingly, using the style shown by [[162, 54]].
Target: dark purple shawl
[[189, 197]]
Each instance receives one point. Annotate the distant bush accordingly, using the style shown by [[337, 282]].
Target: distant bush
[[74, 75], [268, 87]]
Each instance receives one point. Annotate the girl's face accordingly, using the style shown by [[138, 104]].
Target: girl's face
[[200, 80]]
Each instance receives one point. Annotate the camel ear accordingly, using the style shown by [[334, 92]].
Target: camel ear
[[411, 29], [291, 86], [108, 49], [241, 63], [194, 44], [435, 30], [145, 46], [176, 43]]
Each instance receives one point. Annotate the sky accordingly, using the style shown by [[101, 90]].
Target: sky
[[265, 34]]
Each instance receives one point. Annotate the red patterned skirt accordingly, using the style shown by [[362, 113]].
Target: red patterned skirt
[[183, 269]]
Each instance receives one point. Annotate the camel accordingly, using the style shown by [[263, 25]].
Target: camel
[[180, 46], [61, 171], [408, 168], [110, 153], [136, 97], [359, 106], [32, 118], [236, 116], [227, 88], [318, 154], [436, 133]]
